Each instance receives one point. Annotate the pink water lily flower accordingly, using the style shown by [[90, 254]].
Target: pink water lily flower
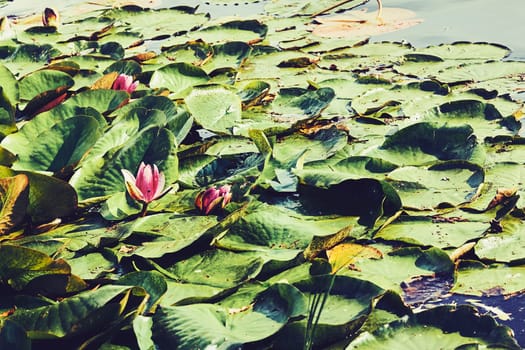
[[125, 82], [147, 186], [209, 199]]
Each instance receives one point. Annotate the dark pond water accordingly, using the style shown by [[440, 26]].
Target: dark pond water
[[428, 292]]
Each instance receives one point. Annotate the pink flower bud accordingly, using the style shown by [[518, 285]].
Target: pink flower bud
[[209, 199], [125, 83], [147, 186]]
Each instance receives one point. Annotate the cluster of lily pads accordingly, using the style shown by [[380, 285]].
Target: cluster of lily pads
[[169, 180]]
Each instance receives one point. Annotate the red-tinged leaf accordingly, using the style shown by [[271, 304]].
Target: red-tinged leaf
[[14, 194], [45, 101]]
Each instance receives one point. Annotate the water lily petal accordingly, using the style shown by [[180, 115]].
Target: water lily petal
[[147, 184], [133, 190], [210, 195], [212, 205], [140, 175], [161, 182]]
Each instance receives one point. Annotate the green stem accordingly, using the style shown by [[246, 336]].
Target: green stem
[[314, 314]]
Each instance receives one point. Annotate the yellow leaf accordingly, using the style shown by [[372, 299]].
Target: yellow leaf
[[106, 82], [345, 254]]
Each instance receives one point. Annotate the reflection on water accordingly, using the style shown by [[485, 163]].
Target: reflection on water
[[467, 20], [444, 21], [430, 291]]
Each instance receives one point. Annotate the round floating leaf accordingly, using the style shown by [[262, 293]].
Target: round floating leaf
[[506, 246], [178, 76], [90, 311], [449, 183], [102, 176], [49, 197], [231, 54], [153, 24], [91, 266], [44, 122], [438, 232], [43, 80], [446, 327], [295, 104], [214, 107], [346, 308], [276, 227], [29, 57], [13, 336], [467, 51], [247, 31], [480, 71], [177, 233], [474, 278], [400, 265], [63, 145], [20, 266], [101, 99], [218, 268], [206, 325], [426, 142]]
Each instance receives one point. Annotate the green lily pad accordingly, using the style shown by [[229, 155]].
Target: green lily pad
[[41, 81], [426, 231], [87, 311], [279, 228], [204, 325], [230, 54], [72, 138], [152, 282], [400, 265], [443, 184], [422, 143], [475, 278], [9, 84], [348, 304], [102, 177], [443, 327], [91, 266], [172, 233], [178, 76], [241, 30], [25, 268], [218, 268], [153, 24], [505, 246], [214, 107], [49, 197]]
